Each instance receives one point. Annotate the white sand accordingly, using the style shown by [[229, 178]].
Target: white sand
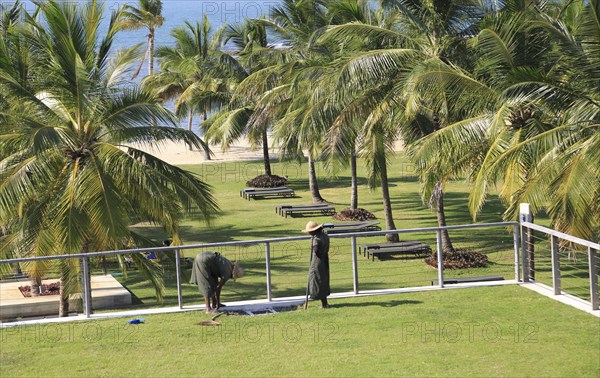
[[180, 154]]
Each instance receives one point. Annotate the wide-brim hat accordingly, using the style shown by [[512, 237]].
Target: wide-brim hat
[[312, 226], [237, 271]]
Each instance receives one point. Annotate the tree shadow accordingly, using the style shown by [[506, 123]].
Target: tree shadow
[[286, 268], [404, 179], [267, 198], [231, 232], [386, 304]]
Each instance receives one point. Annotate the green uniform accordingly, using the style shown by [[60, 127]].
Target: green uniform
[[318, 275], [207, 269]]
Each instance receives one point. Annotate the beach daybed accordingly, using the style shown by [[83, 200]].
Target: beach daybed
[[282, 191], [339, 228], [382, 250], [315, 209], [469, 279]]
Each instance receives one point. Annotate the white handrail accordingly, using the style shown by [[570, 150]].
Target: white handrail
[[561, 235]]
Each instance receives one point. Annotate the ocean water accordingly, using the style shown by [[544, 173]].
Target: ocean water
[[175, 13]]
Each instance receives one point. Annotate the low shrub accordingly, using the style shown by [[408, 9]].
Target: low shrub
[[459, 259], [358, 214], [266, 181], [47, 289]]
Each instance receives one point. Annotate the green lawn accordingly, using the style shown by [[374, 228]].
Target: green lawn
[[492, 331], [256, 219], [495, 331]]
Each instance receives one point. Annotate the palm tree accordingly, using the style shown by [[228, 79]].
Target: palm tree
[[70, 182], [296, 130], [268, 97], [396, 47], [534, 135], [567, 186], [240, 118], [367, 68], [148, 14], [344, 118], [299, 23], [318, 118], [15, 60], [551, 122], [192, 73]]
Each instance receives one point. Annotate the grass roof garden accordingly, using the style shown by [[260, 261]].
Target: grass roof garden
[[257, 219], [487, 331], [491, 331]]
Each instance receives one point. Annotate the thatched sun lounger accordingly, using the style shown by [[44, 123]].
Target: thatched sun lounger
[[317, 209], [383, 250], [339, 228], [283, 191]]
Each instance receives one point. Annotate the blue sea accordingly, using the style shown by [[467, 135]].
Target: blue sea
[[175, 12]]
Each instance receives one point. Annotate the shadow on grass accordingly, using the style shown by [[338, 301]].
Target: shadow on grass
[[404, 179], [345, 182], [378, 304], [226, 233]]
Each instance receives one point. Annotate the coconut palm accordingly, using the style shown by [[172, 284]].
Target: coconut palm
[[343, 118], [268, 97], [239, 118], [299, 23], [192, 73], [537, 74], [395, 48], [148, 15], [440, 30], [15, 59], [554, 115], [565, 178], [296, 130], [315, 104], [364, 77], [70, 181]]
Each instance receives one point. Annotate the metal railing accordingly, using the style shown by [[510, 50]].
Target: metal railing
[[267, 243], [534, 259], [552, 259]]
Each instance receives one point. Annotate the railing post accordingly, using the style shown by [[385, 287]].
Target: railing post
[[593, 261], [354, 266], [268, 267], [525, 216], [178, 276], [555, 264], [516, 247], [440, 257], [87, 287]]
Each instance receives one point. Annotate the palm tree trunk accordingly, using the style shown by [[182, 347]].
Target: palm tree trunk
[[63, 308], [387, 203], [206, 152], [151, 62], [354, 188], [312, 181], [438, 194], [265, 147], [85, 249], [190, 122], [35, 284], [151, 51]]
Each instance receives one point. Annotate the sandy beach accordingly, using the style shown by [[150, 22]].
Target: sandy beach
[[180, 154]]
